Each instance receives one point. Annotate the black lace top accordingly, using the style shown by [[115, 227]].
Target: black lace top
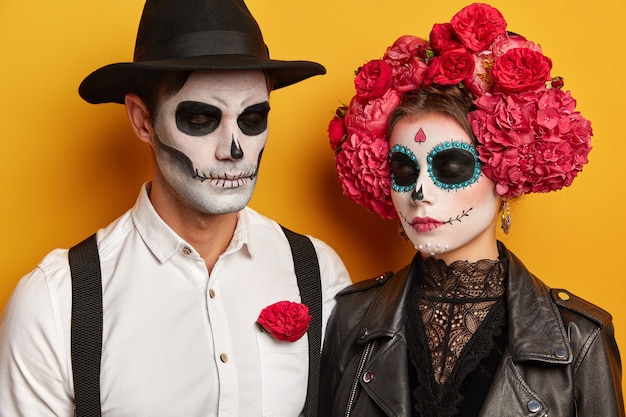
[[455, 334]]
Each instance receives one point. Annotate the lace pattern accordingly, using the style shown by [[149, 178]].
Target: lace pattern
[[453, 301], [456, 312]]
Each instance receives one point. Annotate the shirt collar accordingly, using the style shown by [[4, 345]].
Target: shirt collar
[[163, 242]]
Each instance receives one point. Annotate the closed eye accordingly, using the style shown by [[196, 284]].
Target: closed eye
[[404, 171], [253, 120], [197, 119]]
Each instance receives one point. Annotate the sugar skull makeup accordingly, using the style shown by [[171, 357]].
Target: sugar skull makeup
[[444, 203], [209, 138]]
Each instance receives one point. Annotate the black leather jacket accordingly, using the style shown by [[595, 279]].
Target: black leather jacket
[[561, 359]]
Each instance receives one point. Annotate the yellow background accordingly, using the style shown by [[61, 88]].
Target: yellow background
[[68, 168]]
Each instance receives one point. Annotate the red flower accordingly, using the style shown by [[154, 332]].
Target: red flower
[[406, 58], [285, 320], [521, 69], [363, 170], [530, 142], [477, 25], [372, 117], [373, 80], [450, 68], [337, 128], [442, 38]]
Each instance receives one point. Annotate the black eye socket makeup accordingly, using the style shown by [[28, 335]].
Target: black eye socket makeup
[[197, 119], [404, 169], [453, 165], [253, 120]]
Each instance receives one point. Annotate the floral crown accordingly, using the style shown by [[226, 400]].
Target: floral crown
[[530, 138]]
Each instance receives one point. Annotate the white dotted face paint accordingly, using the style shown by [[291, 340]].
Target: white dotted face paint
[[446, 206], [209, 138]]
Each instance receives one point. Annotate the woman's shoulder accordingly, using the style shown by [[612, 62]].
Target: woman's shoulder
[[366, 284], [568, 301]]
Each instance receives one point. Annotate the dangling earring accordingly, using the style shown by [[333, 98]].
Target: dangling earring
[[505, 216], [402, 234]]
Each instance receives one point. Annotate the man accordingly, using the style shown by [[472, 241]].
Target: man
[[187, 272]]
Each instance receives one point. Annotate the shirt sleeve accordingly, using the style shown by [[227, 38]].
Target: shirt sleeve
[[334, 276], [33, 360]]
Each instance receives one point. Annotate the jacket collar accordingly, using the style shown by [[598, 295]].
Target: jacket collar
[[536, 330]]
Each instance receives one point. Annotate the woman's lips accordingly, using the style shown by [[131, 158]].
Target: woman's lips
[[425, 224]]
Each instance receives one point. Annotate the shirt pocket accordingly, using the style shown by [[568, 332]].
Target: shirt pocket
[[284, 375]]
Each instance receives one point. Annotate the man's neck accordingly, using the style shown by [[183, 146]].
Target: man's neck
[[209, 234]]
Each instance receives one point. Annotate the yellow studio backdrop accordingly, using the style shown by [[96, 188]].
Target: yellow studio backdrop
[[68, 167]]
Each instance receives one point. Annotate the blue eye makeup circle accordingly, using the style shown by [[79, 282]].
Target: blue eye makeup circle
[[453, 165]]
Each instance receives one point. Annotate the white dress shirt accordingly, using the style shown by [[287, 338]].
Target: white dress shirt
[[176, 340]]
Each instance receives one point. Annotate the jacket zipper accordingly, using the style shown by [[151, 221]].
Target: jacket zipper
[[359, 372]]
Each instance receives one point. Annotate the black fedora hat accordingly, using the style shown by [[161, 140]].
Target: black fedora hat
[[193, 35]]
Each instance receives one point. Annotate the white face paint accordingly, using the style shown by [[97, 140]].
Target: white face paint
[[209, 138], [447, 208]]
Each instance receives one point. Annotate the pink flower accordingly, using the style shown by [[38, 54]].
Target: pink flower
[[510, 41], [406, 58], [371, 118], [285, 320], [477, 25], [449, 68], [405, 48], [521, 69], [373, 80], [363, 171], [530, 142]]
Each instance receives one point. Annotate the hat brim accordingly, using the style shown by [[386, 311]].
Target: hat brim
[[111, 83]]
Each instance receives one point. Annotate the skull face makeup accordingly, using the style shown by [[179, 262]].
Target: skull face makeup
[[447, 208], [209, 138]]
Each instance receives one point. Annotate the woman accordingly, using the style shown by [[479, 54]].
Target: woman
[[474, 119]]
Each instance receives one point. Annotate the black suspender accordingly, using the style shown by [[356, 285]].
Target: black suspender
[[307, 271], [86, 327]]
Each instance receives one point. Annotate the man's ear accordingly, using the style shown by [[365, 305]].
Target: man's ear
[[139, 117]]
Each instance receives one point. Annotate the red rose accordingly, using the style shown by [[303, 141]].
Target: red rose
[[477, 25], [450, 68], [373, 80], [482, 81], [443, 38], [521, 69], [285, 320], [337, 128]]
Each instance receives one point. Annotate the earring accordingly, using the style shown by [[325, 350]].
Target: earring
[[505, 216], [402, 234]]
